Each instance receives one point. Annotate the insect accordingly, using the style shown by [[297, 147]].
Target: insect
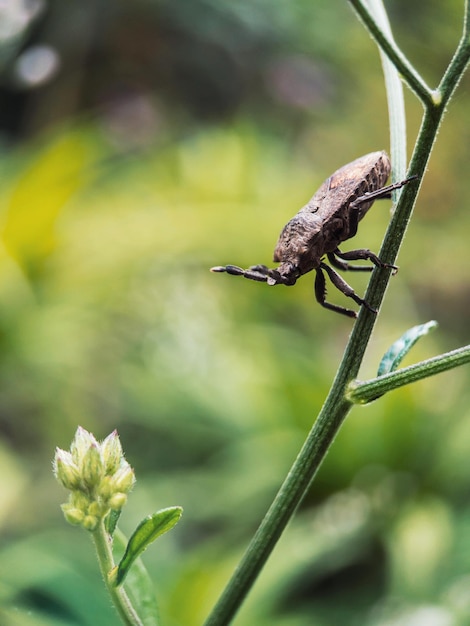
[[329, 218]]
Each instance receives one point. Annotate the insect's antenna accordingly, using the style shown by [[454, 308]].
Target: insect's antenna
[[250, 273], [260, 273]]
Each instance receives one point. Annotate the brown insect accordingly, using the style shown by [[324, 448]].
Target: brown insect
[[330, 217]]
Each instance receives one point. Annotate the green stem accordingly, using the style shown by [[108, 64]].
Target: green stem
[[366, 391], [118, 595], [338, 404], [313, 452], [432, 118], [386, 43], [395, 99], [459, 62], [282, 509]]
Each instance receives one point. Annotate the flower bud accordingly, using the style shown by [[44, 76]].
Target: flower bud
[[92, 467], [111, 450], [65, 469], [72, 515], [80, 500], [90, 522], [81, 443], [124, 478], [96, 509], [106, 487], [97, 476], [117, 501]]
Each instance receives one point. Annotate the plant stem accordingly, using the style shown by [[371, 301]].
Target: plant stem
[[361, 392], [287, 500], [338, 404], [386, 43], [459, 62], [395, 99], [118, 595]]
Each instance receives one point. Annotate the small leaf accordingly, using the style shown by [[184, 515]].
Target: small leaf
[[139, 586], [147, 531], [112, 520], [398, 350]]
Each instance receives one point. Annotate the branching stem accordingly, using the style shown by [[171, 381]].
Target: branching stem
[[344, 392], [363, 392], [386, 43]]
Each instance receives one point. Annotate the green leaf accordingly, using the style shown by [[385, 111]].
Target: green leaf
[[139, 586], [398, 350], [147, 531], [112, 520]]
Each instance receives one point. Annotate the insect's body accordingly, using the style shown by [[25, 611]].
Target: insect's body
[[329, 218], [321, 225]]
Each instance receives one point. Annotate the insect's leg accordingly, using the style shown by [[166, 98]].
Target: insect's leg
[[343, 286], [354, 211], [360, 255], [384, 192], [320, 295], [370, 196], [342, 265]]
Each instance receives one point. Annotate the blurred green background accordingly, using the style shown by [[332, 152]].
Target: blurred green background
[[141, 143]]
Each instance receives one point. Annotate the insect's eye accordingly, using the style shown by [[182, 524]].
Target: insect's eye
[[295, 271]]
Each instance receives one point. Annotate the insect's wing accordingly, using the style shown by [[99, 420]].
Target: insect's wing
[[365, 174]]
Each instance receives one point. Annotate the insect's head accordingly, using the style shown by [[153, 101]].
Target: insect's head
[[287, 272]]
